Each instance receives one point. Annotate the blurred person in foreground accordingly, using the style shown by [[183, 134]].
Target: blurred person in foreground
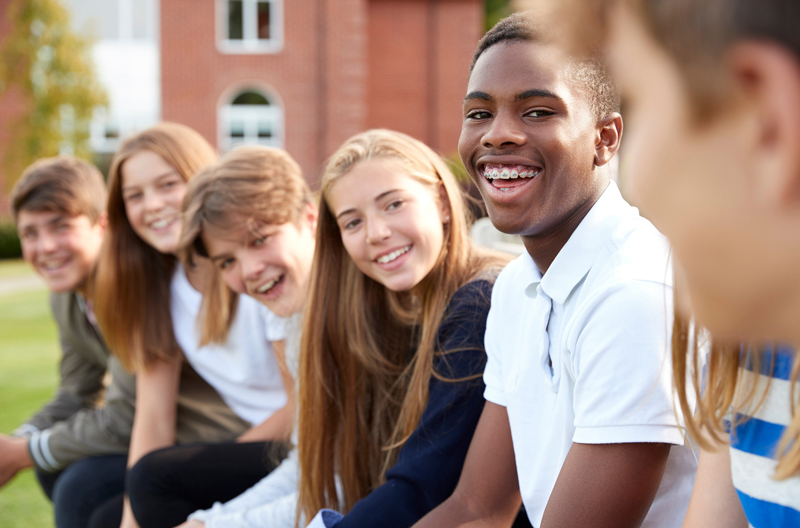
[[713, 92], [76, 442]]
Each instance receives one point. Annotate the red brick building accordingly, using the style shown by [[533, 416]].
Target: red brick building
[[327, 68], [301, 74]]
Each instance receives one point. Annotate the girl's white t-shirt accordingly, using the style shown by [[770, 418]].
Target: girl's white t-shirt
[[243, 370]]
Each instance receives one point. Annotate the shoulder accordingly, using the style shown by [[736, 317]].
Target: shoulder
[[62, 304], [67, 313], [641, 252]]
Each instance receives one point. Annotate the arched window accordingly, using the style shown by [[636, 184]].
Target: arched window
[[250, 119]]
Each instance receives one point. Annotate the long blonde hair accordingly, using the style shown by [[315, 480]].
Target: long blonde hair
[[721, 392], [260, 184], [132, 290], [367, 353]]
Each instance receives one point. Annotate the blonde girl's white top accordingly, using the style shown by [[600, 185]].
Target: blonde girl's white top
[[243, 370], [273, 501]]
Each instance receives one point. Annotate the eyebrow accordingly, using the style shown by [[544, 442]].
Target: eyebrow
[[377, 199], [156, 179], [527, 94]]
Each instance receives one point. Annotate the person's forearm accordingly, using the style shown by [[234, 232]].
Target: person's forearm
[[14, 457], [454, 513], [128, 520], [276, 427]]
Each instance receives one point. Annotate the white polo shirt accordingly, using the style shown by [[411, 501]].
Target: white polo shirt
[[243, 370], [581, 354]]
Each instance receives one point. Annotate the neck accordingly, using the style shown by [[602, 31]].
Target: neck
[[544, 249]]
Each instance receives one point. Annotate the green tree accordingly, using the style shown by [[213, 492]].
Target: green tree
[[495, 10], [50, 65]]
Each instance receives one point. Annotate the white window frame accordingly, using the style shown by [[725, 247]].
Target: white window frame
[[250, 43], [250, 115]]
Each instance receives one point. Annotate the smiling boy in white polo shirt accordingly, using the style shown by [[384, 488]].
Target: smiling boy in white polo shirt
[[579, 423]]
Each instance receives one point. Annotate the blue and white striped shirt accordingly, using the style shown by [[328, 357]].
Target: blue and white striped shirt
[[767, 502]]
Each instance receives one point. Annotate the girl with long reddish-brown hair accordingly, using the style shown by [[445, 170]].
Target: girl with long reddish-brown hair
[[148, 305], [390, 387]]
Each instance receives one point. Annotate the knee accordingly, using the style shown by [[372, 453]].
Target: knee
[[153, 475], [144, 477]]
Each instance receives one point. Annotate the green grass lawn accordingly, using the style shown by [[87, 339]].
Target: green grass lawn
[[28, 375]]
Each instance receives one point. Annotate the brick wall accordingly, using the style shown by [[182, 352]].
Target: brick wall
[[419, 54], [346, 65], [11, 109]]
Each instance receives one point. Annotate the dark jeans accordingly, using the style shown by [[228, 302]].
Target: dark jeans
[[167, 485], [82, 493]]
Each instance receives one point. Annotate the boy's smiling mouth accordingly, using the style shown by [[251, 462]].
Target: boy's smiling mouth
[[505, 177]]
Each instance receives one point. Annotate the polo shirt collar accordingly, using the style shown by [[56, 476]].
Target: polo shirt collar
[[575, 259]]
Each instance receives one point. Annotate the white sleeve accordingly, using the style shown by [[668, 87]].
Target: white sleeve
[[272, 502], [620, 360], [275, 327], [493, 373]]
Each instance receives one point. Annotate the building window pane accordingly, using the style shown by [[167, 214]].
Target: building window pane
[[139, 19], [250, 119], [237, 128], [250, 98], [264, 20], [235, 20]]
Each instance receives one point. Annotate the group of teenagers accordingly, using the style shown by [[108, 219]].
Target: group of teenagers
[[355, 360]]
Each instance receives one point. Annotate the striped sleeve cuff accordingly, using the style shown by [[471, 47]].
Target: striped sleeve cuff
[[25, 430], [38, 445]]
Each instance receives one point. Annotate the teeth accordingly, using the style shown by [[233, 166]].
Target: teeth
[[393, 255], [51, 265], [493, 173], [267, 286], [160, 224]]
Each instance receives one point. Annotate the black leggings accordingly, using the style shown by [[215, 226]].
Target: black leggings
[[167, 485]]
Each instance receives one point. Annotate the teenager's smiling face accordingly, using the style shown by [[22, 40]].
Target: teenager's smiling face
[[528, 138], [391, 224], [152, 191], [61, 248], [271, 263]]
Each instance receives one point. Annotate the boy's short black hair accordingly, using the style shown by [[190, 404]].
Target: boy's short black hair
[[589, 72], [63, 184]]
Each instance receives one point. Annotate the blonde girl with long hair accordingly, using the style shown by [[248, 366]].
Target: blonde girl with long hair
[[150, 310], [390, 387], [715, 96], [253, 216]]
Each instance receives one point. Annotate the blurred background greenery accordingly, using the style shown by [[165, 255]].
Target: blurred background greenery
[[28, 374]]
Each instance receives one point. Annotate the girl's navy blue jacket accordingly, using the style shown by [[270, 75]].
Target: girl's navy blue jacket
[[429, 464]]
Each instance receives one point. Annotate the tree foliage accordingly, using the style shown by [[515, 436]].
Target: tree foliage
[[51, 66], [496, 10]]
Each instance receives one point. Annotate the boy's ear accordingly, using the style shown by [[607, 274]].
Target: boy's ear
[[608, 136], [102, 220], [311, 216], [768, 75]]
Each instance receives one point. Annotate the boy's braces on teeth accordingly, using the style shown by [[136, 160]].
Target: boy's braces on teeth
[[509, 174], [393, 255]]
